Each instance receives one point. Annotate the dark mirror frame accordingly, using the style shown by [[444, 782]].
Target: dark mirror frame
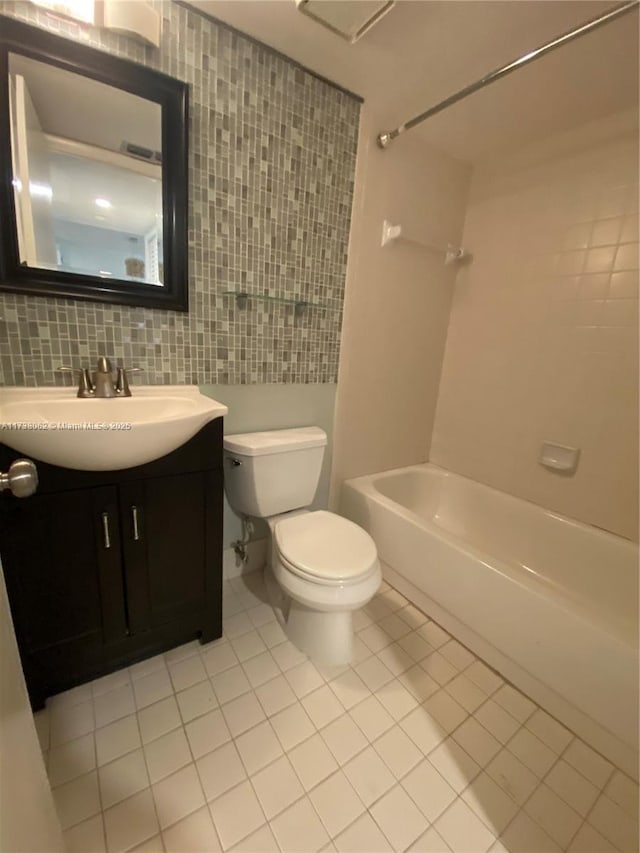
[[172, 95]]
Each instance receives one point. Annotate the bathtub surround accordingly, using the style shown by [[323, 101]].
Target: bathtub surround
[[397, 303], [543, 336], [450, 543], [271, 164], [246, 745]]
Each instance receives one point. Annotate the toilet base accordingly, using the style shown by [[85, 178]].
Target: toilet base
[[326, 637]]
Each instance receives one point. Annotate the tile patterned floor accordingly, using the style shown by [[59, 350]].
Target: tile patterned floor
[[245, 745]]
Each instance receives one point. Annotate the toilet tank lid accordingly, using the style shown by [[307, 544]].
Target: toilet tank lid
[[275, 441]]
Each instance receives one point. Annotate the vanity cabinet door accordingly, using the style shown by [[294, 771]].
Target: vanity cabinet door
[[164, 529], [62, 561]]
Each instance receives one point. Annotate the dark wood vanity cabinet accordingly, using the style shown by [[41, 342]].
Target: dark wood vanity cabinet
[[104, 568]]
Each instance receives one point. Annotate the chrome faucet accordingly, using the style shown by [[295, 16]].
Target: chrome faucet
[[99, 383]]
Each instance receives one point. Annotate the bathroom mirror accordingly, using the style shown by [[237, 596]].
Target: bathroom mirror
[[93, 150]]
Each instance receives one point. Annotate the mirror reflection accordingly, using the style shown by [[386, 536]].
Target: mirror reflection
[[87, 175]]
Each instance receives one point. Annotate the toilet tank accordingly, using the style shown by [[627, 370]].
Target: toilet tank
[[266, 473]]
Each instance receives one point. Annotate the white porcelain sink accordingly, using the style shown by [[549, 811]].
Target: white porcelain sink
[[53, 425]]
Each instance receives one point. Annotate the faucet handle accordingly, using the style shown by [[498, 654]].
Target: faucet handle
[[122, 383], [85, 385]]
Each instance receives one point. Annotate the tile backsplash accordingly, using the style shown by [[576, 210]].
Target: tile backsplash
[[272, 153]]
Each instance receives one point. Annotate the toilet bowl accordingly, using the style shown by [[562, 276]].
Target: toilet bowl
[[321, 567]]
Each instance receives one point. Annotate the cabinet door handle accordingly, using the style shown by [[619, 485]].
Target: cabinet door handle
[[106, 531], [134, 518]]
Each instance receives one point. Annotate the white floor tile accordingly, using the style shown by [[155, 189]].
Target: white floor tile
[[260, 841], [371, 717], [178, 795], [349, 688], [397, 700], [292, 725], [363, 836], [77, 800], [418, 683], [549, 731], [336, 802], [275, 695], [463, 831], [167, 754], [110, 682], [304, 678], [483, 677], [375, 637], [286, 655], [207, 732], [68, 722], [523, 835], [415, 645], [514, 702], [369, 775], [573, 788], [130, 822], [230, 684], [243, 713], [373, 672], [220, 770], [497, 721], [430, 842], [151, 845], [192, 834], [344, 738], [312, 761], [277, 787], [412, 616], [557, 819], [86, 837], [454, 764], [186, 650], [158, 719], [445, 710], [185, 673], [261, 614], [261, 668], [587, 840], [122, 778], [272, 634], [396, 659], [74, 696], [322, 706], [248, 645], [399, 818], [423, 730], [433, 634], [258, 747], [71, 759], [146, 667], [398, 751], [477, 741], [532, 752], [615, 824], [117, 739], [439, 668], [621, 790], [394, 626], [196, 701], [457, 654], [218, 658], [299, 830], [152, 688], [465, 692], [588, 763], [237, 625], [236, 814], [114, 705], [492, 805], [429, 790], [512, 776]]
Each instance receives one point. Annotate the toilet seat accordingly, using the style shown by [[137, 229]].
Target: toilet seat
[[325, 548]]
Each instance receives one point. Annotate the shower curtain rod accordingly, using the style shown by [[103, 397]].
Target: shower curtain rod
[[385, 138]]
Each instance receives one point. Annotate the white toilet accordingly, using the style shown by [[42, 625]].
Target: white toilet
[[324, 565]]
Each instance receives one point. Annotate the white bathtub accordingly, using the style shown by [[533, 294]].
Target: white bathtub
[[550, 603]]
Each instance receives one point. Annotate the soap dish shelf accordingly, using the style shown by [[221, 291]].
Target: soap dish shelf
[[300, 306]]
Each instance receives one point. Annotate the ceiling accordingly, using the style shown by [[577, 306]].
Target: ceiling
[[424, 50]]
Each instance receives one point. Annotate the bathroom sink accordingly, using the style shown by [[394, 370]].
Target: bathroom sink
[[55, 426]]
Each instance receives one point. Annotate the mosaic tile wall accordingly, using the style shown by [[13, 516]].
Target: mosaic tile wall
[[271, 168]]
